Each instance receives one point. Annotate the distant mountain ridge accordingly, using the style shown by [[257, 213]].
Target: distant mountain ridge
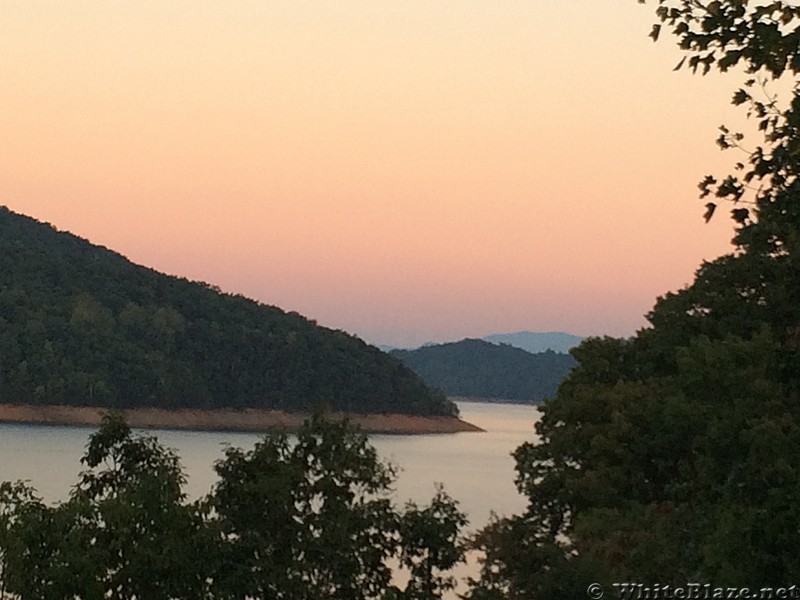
[[532, 341], [480, 369], [81, 325]]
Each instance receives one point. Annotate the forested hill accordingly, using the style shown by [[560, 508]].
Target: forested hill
[[82, 325], [479, 369]]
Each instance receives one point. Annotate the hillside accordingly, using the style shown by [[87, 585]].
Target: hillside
[[479, 369], [81, 325]]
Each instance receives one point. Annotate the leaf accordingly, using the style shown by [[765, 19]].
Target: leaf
[[705, 185], [740, 215], [710, 208], [655, 32], [740, 97]]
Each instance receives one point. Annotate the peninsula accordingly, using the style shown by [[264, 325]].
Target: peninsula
[[83, 330]]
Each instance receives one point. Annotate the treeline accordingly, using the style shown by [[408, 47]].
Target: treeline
[[287, 520], [81, 325], [479, 369]]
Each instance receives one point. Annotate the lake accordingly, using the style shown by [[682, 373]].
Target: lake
[[475, 468]]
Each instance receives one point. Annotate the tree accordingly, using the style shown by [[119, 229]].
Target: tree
[[146, 538], [763, 41], [126, 531], [669, 457], [305, 519], [20, 508], [430, 546], [314, 519]]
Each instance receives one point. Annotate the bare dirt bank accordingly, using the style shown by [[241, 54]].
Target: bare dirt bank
[[250, 419]]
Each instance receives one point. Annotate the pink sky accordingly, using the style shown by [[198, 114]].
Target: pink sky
[[407, 171]]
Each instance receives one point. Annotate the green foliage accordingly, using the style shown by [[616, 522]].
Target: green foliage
[[479, 369], [670, 457], [305, 519], [690, 475], [292, 519], [142, 534], [81, 325], [126, 531], [20, 510], [314, 519], [430, 546], [762, 40], [727, 33]]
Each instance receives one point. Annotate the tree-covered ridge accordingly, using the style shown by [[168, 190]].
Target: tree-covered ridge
[[479, 369], [81, 325]]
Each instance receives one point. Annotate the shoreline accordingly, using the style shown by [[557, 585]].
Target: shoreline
[[253, 420]]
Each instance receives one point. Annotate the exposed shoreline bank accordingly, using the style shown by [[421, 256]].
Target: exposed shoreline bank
[[248, 419]]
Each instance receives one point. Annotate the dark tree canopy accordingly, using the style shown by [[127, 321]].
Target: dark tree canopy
[[81, 325], [671, 457]]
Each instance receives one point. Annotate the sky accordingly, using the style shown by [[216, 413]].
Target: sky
[[408, 171]]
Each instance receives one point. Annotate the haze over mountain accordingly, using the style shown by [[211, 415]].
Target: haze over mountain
[[479, 369], [532, 341], [82, 325]]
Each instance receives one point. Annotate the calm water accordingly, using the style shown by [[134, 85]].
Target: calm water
[[475, 468]]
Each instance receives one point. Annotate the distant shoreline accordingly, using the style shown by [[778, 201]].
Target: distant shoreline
[[476, 400], [246, 419]]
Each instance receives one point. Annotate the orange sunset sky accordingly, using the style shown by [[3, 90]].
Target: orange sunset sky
[[408, 171]]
